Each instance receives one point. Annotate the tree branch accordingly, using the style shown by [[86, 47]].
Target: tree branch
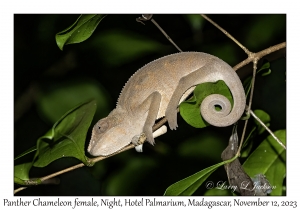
[[260, 55]]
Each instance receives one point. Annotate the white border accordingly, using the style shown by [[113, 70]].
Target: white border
[[8, 8]]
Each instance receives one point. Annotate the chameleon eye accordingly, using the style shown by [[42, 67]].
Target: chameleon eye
[[101, 126]]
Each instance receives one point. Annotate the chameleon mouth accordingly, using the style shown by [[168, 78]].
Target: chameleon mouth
[[108, 143]]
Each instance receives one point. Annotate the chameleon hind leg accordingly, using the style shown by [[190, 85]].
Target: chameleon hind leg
[[201, 75]]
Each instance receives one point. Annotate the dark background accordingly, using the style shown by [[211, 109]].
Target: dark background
[[48, 82]]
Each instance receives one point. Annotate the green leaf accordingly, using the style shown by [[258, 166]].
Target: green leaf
[[67, 137], [19, 181], [59, 98], [81, 30], [265, 69], [264, 117], [32, 149], [269, 159], [21, 172], [123, 46], [190, 184], [190, 109]]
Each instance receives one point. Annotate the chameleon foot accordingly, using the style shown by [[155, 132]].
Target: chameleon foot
[[172, 119], [138, 141]]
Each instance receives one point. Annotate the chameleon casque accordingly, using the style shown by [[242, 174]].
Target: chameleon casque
[[156, 90]]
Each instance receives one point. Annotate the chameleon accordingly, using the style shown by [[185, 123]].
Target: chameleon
[[156, 90]]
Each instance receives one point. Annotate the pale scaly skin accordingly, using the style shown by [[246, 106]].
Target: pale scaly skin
[[156, 90]]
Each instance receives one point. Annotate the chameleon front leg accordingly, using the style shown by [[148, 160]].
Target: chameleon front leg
[[151, 105], [139, 140]]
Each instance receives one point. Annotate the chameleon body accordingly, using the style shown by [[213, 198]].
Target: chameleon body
[[155, 91]]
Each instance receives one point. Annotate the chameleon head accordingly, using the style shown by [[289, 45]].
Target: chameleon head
[[111, 134]]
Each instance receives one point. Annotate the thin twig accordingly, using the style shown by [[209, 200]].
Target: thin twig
[[227, 34], [62, 171], [249, 106], [259, 55], [242, 138], [252, 85], [19, 189], [33, 182], [166, 35], [266, 127]]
